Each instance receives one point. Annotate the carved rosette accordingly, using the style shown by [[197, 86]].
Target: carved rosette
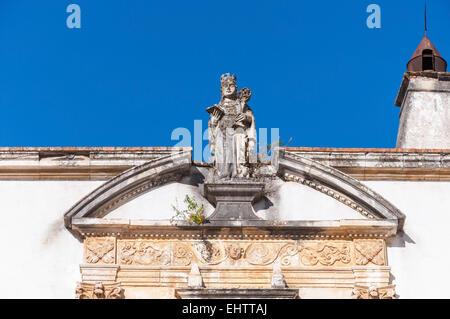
[[242, 253], [182, 255], [99, 250], [261, 253], [99, 291]]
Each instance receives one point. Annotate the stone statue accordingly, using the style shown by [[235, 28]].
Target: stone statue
[[232, 132]]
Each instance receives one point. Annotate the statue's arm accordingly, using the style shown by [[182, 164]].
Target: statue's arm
[[248, 115]]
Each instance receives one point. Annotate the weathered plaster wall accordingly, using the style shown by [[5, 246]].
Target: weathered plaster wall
[[40, 258], [286, 201], [157, 203], [425, 114], [419, 257]]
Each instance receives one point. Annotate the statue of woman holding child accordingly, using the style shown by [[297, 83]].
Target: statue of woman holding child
[[232, 132]]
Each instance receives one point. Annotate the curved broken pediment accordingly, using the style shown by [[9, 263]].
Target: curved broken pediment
[[336, 184], [303, 196], [130, 184]]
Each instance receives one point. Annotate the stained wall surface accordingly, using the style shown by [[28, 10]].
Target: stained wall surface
[[425, 115], [40, 257]]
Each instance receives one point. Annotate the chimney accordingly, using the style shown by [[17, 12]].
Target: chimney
[[424, 98]]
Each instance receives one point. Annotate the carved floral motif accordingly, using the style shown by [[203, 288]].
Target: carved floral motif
[[325, 254], [99, 291], [260, 254], [286, 252], [211, 253], [369, 251], [182, 255], [143, 253], [372, 292], [99, 250]]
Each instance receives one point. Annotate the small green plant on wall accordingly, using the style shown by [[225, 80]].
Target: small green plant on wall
[[193, 213]]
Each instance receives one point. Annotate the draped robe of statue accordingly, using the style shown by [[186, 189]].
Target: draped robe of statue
[[232, 142]]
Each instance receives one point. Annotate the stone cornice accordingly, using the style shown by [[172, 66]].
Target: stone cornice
[[102, 163], [360, 228], [382, 164], [365, 150], [75, 163]]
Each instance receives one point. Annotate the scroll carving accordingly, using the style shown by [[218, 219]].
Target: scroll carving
[[99, 250], [326, 254], [143, 253], [286, 252]]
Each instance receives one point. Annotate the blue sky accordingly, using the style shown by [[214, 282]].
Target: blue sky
[[136, 70]]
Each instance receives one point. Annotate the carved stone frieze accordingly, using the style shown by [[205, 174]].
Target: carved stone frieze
[[99, 250], [369, 252], [357, 266], [242, 253], [99, 291]]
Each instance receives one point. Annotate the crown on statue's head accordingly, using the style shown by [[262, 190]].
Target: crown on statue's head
[[227, 79]]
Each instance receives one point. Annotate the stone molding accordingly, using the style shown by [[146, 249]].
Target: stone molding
[[159, 229], [75, 163], [236, 293], [233, 276], [93, 163], [382, 164]]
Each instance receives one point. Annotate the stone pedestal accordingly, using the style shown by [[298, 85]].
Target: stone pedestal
[[234, 200]]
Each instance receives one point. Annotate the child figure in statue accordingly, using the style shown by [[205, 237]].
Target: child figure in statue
[[232, 132]]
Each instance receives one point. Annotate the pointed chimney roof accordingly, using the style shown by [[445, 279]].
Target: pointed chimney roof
[[417, 64], [425, 44], [426, 57]]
